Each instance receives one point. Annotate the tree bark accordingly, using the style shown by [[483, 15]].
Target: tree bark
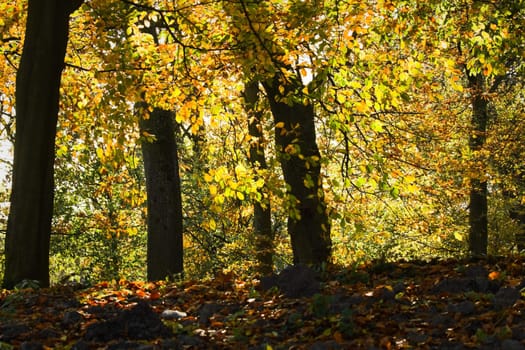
[[513, 196], [295, 136], [517, 213], [478, 219], [262, 218], [165, 241], [37, 103]]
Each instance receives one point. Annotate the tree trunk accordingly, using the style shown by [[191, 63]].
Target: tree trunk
[[262, 218], [296, 143], [37, 99], [517, 213], [516, 207], [165, 250], [478, 220]]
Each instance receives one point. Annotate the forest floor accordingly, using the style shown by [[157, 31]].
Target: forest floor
[[404, 305]]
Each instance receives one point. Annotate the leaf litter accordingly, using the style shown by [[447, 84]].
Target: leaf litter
[[453, 304]]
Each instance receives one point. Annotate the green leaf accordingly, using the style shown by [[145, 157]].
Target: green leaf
[[377, 126]]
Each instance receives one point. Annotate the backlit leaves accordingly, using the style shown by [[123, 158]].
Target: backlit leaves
[[386, 78]]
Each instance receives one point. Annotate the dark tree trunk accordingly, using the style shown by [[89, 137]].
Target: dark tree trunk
[[165, 250], [516, 207], [517, 213], [37, 98], [478, 220], [262, 219], [296, 143]]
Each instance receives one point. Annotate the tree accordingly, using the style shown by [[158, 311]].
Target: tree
[[474, 47], [272, 60], [262, 216], [161, 165], [478, 207], [37, 97], [490, 49], [372, 97], [295, 139]]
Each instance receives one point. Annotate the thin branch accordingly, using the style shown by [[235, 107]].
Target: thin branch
[[176, 39], [178, 9], [74, 66], [6, 55], [10, 38]]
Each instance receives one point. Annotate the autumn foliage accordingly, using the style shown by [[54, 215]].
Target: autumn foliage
[[390, 84], [288, 174]]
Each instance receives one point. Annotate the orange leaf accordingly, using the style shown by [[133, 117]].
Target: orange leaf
[[217, 324], [140, 293], [154, 295], [494, 275]]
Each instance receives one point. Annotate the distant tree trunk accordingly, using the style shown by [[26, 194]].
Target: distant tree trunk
[[262, 219], [37, 98], [165, 250], [308, 223], [517, 213], [478, 218], [513, 197]]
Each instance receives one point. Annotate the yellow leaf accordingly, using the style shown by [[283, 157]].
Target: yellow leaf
[[100, 153], [279, 125], [176, 92], [219, 199], [458, 236], [61, 150], [232, 185], [409, 179], [457, 87], [240, 195], [212, 224], [240, 170], [411, 188], [213, 190]]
